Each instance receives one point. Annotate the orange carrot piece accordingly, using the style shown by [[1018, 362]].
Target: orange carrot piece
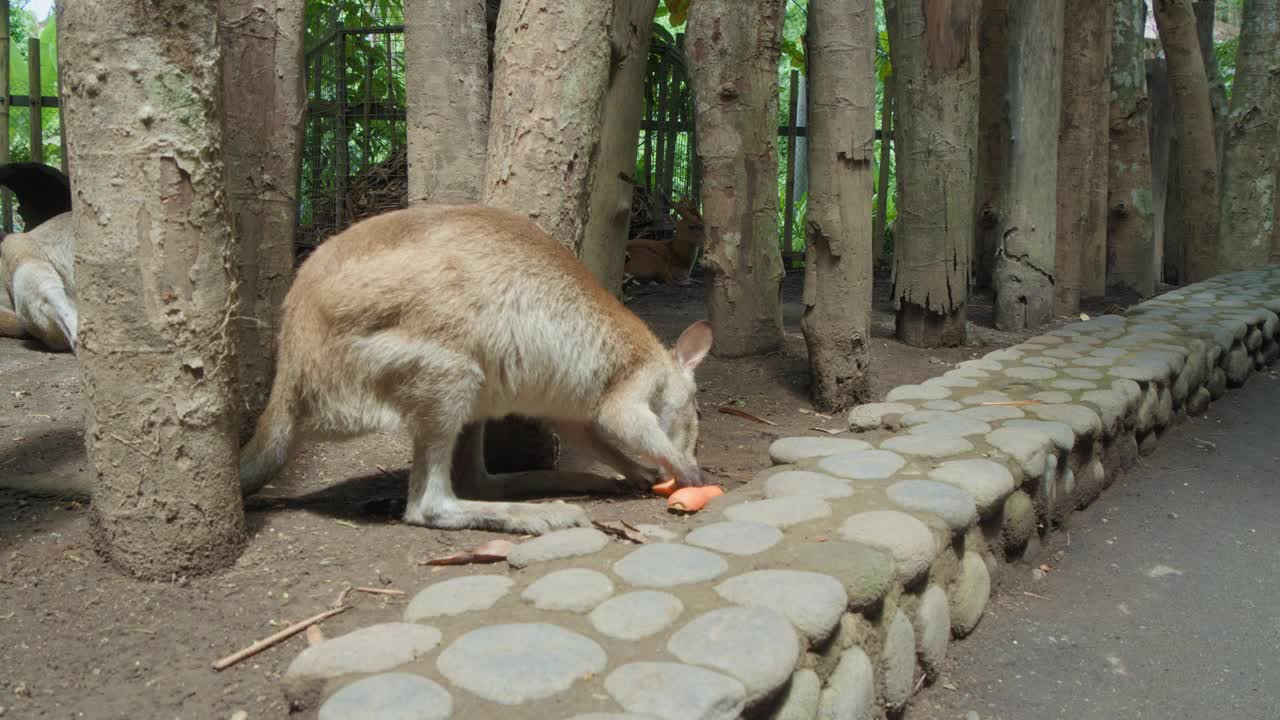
[[665, 488], [693, 499]]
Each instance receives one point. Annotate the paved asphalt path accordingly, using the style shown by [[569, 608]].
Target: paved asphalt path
[[1164, 605]]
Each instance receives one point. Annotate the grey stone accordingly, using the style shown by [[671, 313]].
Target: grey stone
[[813, 602], [676, 692], [1109, 352], [1198, 402], [1238, 366], [735, 538], [789, 450], [952, 424], [942, 405], [1060, 433], [1084, 373], [390, 696], [1164, 407], [1046, 340], [1073, 384], [1111, 407], [1028, 447], [1096, 362], [657, 532], [906, 539], [664, 565], [871, 415], [518, 663], [557, 545], [367, 650], [1030, 373], [929, 446], [1046, 360], [980, 364], [1083, 421], [970, 372], [458, 595], [802, 482], [898, 661], [950, 380], [867, 573], [572, 589], [864, 465], [756, 645], [994, 413], [953, 505], [969, 594], [1217, 383], [985, 397], [986, 481], [1061, 353], [1051, 397], [801, 700], [918, 392], [779, 512], [851, 689], [636, 615], [1004, 355], [933, 623], [1018, 523], [1145, 419], [1140, 373]]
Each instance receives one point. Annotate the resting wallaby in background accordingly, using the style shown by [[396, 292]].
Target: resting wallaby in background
[[436, 319], [667, 261], [37, 286]]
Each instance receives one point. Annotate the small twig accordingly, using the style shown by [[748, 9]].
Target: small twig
[[744, 414], [386, 472], [342, 596], [276, 639], [379, 591], [1031, 594]]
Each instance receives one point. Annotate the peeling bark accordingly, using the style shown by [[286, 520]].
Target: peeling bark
[[143, 99], [993, 135], [1024, 273], [841, 133], [733, 53], [1131, 260]]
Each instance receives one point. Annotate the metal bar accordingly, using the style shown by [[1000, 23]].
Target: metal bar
[[23, 101], [37, 115], [340, 172]]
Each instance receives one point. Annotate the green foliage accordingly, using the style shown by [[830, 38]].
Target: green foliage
[[1226, 55], [22, 20]]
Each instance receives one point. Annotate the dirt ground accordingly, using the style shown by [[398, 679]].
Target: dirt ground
[[81, 641]]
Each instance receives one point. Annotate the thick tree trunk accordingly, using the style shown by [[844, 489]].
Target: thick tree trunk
[[841, 132], [733, 49], [610, 206], [446, 50], [1248, 213], [1196, 205], [993, 135], [1081, 243], [935, 57], [1168, 246], [1275, 227], [550, 78], [879, 240], [143, 98], [1024, 272], [1131, 261], [1205, 17], [264, 105]]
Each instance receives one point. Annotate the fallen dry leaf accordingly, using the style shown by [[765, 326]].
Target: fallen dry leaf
[[744, 414], [621, 529]]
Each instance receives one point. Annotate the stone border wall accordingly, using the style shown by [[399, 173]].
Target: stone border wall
[[831, 585]]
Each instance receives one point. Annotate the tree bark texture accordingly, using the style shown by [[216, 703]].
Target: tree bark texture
[[733, 52], [840, 46], [1205, 18], [1131, 261], [1195, 208], [993, 135], [143, 99], [264, 106], [1024, 272], [446, 49], [880, 223], [609, 217], [935, 57], [1249, 163], [550, 78], [1168, 246], [1081, 243]]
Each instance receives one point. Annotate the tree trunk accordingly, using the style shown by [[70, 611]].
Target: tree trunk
[[935, 57], [1024, 273], [1275, 227], [879, 239], [264, 104], [610, 207], [446, 50], [733, 49], [1131, 259], [143, 98], [550, 78], [1249, 164], [1204, 11], [841, 132], [1168, 246], [1196, 205], [993, 135]]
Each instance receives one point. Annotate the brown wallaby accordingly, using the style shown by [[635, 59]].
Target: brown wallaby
[[667, 261], [37, 287], [436, 319]]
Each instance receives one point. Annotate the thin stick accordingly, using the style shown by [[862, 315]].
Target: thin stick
[[379, 591], [276, 639], [1031, 594]]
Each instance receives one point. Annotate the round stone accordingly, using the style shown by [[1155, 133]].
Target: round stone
[[1096, 362], [794, 449], [985, 363], [390, 696], [898, 661], [367, 650], [994, 413], [987, 396], [1051, 397], [928, 446], [1083, 421], [851, 689], [864, 465], [942, 405], [952, 424], [1046, 362], [1198, 401], [906, 539], [871, 415], [951, 380], [1073, 384], [672, 690], [953, 505], [918, 392], [735, 538], [1109, 352], [756, 645], [518, 663], [1028, 447], [573, 589], [1084, 373], [1111, 408], [813, 602], [1140, 373], [986, 481], [810, 484], [779, 512], [636, 615], [1018, 522], [1061, 435], [668, 565], [867, 573], [459, 595], [969, 594], [573, 542], [801, 700], [933, 618], [1030, 373]]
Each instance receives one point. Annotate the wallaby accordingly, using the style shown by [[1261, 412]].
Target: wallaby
[[37, 287], [667, 261], [436, 319]]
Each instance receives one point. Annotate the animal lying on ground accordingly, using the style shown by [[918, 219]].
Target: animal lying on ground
[[436, 319], [667, 261], [37, 287]]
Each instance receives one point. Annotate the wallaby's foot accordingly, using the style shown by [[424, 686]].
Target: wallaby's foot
[[519, 518]]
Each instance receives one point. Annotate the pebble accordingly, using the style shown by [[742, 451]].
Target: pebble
[[985, 397], [803, 482], [735, 538], [1028, 447], [864, 465], [851, 689], [675, 692], [789, 450], [953, 505], [664, 565], [390, 696], [367, 650], [802, 698], [994, 413], [574, 589], [906, 539], [898, 661], [779, 512], [459, 595], [1060, 433], [969, 594], [517, 663], [758, 646], [637, 614], [1052, 397], [867, 572], [1019, 520], [870, 416], [918, 392], [1083, 421], [952, 424], [573, 542], [813, 602], [1030, 373], [986, 481], [933, 619], [928, 446]]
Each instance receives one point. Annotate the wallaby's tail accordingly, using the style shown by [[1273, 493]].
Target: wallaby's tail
[[268, 450]]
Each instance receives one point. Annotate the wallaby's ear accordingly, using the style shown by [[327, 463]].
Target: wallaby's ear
[[693, 345]]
